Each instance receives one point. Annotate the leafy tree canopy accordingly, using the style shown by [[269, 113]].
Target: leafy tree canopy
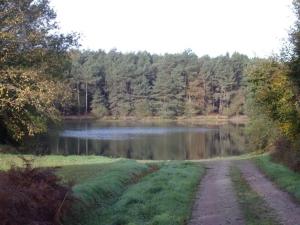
[[32, 56]]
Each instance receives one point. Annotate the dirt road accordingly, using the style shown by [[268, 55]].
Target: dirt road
[[216, 203], [288, 212]]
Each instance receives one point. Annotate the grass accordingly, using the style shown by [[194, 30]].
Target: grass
[[79, 174], [6, 160], [125, 192], [254, 208], [164, 197], [282, 176], [100, 190]]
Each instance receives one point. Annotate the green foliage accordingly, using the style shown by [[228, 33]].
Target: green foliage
[[280, 174], [32, 53], [191, 109], [98, 105], [26, 102], [273, 94], [142, 108], [237, 103], [255, 209], [260, 132], [29, 37], [272, 104], [141, 84], [292, 54]]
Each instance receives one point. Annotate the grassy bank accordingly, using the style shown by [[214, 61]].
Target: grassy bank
[[120, 191], [162, 197], [100, 189], [286, 179], [254, 208]]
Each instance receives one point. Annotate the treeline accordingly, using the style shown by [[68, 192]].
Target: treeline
[[273, 90], [143, 84]]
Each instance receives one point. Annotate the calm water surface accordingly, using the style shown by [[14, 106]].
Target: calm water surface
[[158, 141]]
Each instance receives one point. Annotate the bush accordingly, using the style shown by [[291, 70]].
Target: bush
[[286, 152], [261, 133], [32, 196]]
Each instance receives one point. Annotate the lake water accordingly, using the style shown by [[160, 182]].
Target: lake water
[[157, 141]]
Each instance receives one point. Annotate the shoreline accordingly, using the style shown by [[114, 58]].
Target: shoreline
[[8, 159], [203, 119]]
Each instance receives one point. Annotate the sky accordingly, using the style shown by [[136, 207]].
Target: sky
[[207, 27]]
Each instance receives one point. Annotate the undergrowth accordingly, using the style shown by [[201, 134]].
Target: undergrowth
[[33, 196]]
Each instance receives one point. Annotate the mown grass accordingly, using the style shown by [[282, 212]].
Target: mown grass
[[254, 208], [282, 176]]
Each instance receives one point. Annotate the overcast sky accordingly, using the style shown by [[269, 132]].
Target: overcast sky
[[214, 27]]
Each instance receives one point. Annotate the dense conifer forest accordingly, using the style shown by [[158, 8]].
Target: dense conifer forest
[[143, 84]]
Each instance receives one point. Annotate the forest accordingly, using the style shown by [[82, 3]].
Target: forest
[[143, 84], [45, 78]]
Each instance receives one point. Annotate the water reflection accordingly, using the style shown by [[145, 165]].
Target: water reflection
[[124, 133], [147, 141]]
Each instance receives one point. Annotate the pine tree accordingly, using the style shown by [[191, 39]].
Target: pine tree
[[98, 105]]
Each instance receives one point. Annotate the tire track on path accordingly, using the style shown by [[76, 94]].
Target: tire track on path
[[216, 202], [287, 210]]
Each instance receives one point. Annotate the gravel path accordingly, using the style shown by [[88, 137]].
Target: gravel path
[[216, 203], [288, 212]]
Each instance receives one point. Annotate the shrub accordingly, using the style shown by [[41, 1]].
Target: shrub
[[286, 152], [32, 196]]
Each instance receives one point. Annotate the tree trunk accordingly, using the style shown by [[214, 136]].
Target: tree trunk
[[86, 146], [78, 97], [86, 98], [78, 146], [86, 141], [204, 95], [221, 100]]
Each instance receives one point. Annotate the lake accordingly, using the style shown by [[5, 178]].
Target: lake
[[148, 141]]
